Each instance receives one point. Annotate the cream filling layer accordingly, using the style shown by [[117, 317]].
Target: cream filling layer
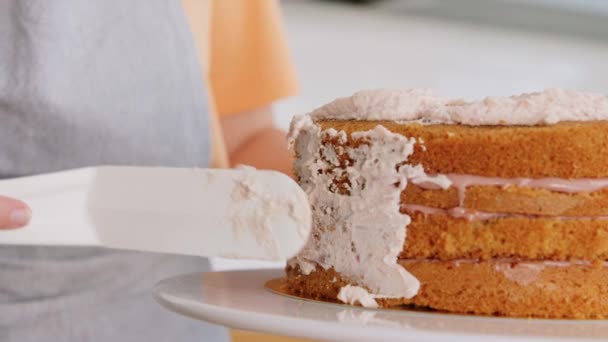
[[476, 215], [461, 182], [521, 272], [511, 261]]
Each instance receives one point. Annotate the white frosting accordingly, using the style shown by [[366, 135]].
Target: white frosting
[[359, 234], [257, 210], [547, 107], [355, 294], [411, 104], [420, 178], [256, 222]]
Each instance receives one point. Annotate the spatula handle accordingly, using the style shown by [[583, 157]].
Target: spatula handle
[[58, 202], [50, 184]]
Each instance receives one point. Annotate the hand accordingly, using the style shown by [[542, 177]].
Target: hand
[[13, 213], [252, 139]]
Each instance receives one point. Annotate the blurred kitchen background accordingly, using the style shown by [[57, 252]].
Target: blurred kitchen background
[[460, 48]]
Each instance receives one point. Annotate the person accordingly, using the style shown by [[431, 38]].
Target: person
[[139, 82]]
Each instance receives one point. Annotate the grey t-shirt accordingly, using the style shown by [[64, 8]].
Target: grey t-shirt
[[88, 83]]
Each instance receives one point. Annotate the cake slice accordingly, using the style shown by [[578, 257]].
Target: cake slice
[[497, 207]]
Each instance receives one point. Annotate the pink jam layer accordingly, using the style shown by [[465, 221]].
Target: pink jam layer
[[461, 182], [475, 215], [522, 272], [511, 261]]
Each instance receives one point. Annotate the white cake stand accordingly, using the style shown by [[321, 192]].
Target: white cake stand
[[238, 299]]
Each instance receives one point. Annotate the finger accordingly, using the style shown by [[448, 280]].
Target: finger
[[13, 213]]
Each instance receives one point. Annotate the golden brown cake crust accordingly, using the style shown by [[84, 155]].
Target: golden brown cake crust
[[485, 288], [444, 237], [435, 243], [564, 150]]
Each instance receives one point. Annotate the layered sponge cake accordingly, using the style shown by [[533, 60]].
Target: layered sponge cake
[[496, 207]]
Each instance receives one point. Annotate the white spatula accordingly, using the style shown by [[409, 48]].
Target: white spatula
[[242, 213]]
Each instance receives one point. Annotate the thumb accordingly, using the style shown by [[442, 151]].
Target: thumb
[[13, 213]]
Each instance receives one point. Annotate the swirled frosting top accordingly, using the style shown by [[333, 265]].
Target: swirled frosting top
[[540, 108]]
